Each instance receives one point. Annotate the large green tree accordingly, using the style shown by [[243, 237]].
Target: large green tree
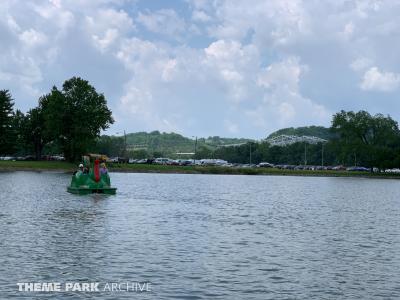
[[370, 140], [34, 131], [75, 116], [7, 133], [109, 145], [19, 126]]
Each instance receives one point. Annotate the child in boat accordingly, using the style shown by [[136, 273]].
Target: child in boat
[[79, 171], [103, 169]]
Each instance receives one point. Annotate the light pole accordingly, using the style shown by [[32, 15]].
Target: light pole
[[322, 155], [195, 149], [250, 152], [305, 153]]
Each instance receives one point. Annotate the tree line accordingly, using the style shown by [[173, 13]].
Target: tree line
[[356, 139], [67, 121]]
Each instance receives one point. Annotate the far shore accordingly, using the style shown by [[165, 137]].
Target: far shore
[[66, 167]]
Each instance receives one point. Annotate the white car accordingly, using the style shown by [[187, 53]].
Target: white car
[[265, 165], [161, 161]]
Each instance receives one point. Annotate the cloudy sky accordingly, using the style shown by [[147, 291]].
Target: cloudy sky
[[208, 67]]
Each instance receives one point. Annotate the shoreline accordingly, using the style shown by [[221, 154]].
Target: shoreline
[[65, 167]]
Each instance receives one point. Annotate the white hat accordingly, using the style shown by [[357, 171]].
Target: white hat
[[80, 166]]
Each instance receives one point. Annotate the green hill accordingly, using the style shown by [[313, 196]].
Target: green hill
[[157, 143], [167, 143], [318, 131]]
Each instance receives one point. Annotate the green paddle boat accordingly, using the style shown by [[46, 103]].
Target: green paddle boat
[[91, 178]]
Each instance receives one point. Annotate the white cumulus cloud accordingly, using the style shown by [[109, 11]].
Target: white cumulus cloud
[[376, 80], [164, 21], [282, 100], [205, 67], [361, 64]]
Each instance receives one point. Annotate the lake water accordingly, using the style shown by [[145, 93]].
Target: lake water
[[203, 236]]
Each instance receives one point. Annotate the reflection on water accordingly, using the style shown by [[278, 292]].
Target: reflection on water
[[204, 236]]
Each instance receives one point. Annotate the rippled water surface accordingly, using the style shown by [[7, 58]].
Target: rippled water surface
[[204, 236]]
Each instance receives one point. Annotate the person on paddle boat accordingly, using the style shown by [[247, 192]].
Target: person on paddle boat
[[80, 170], [103, 169]]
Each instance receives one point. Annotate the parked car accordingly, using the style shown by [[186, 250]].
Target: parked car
[[161, 161], [289, 167], [265, 165], [184, 162], [213, 162], [338, 168], [172, 162], [310, 168], [7, 158], [57, 157], [358, 169], [142, 161], [245, 166], [395, 170]]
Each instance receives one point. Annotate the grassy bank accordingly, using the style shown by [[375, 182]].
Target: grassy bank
[[37, 166], [144, 168]]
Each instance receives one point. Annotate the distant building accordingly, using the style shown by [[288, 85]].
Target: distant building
[[285, 140]]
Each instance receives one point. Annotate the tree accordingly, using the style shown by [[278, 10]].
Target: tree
[[7, 133], [109, 145], [21, 133], [203, 152], [34, 131], [74, 116], [371, 140], [139, 154]]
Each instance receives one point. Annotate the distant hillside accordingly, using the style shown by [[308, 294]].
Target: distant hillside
[[168, 144], [318, 131], [173, 142]]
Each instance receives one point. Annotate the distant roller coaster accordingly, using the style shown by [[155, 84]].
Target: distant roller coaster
[[285, 140]]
